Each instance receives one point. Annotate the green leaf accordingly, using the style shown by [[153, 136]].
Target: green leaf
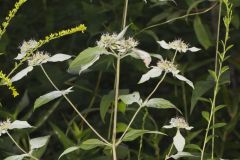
[[121, 127], [218, 125], [202, 33], [16, 157], [193, 146], [160, 103], [44, 99], [135, 133], [91, 143], [106, 102], [66, 142], [69, 150], [38, 146], [201, 87], [131, 98], [39, 142], [85, 59], [219, 107], [213, 75], [205, 115], [122, 107]]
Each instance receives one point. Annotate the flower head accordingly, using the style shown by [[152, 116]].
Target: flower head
[[168, 67], [26, 47], [5, 126], [38, 58], [178, 45], [178, 122], [116, 43]]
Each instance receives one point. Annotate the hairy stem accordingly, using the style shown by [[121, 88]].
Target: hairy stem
[[114, 132], [74, 107]]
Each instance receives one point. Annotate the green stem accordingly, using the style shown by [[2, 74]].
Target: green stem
[[125, 14], [139, 108], [141, 138], [170, 150], [13, 140], [216, 69], [74, 107]]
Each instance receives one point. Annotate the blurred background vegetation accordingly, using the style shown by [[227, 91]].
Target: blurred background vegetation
[[39, 18]]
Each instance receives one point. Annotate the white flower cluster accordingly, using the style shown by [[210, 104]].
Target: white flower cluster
[[38, 58], [116, 43], [35, 59], [168, 66], [26, 47], [8, 125], [4, 126], [178, 122], [178, 45]]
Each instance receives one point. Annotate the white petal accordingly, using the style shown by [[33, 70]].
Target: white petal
[[168, 126], [164, 44], [154, 72], [59, 57], [21, 74], [194, 49], [19, 125], [20, 56], [182, 78], [179, 141], [145, 56]]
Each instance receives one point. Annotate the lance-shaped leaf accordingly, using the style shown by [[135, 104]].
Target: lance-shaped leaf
[[131, 98], [69, 150], [39, 142], [160, 103], [154, 72], [86, 59], [21, 74], [182, 154], [17, 157], [122, 33], [140, 54], [38, 146], [135, 133], [91, 143], [107, 100], [179, 141], [182, 78], [20, 124], [59, 57], [50, 96]]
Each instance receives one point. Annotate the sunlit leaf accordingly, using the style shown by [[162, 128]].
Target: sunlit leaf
[[91, 143], [50, 96], [160, 103], [69, 150], [85, 59]]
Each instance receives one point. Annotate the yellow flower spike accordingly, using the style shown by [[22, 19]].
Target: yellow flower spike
[[11, 14], [6, 81]]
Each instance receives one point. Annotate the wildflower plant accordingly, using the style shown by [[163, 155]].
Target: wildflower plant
[[117, 47]]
